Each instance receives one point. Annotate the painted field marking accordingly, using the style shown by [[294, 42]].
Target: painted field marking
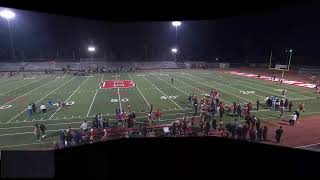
[[200, 89], [94, 97], [162, 92], [12, 83], [223, 90], [27, 93], [140, 92], [41, 99], [22, 86], [69, 97], [173, 86], [266, 85], [17, 145], [299, 147], [229, 87], [119, 97]]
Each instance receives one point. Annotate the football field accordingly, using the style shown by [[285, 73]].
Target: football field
[[103, 93]]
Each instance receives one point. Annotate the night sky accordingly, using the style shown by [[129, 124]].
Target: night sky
[[234, 39]]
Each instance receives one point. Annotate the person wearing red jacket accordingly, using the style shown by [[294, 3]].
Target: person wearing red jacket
[[193, 120], [245, 111], [158, 114]]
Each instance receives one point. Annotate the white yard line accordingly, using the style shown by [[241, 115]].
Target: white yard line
[[266, 84], [22, 86], [11, 83], [69, 97], [27, 93], [221, 89], [173, 86], [83, 117], [41, 99], [299, 147], [162, 92], [249, 82], [140, 91], [202, 90], [17, 145], [119, 98], [94, 97]]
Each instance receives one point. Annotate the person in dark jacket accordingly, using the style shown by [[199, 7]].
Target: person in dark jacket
[[290, 106], [265, 133], [239, 132], [144, 131], [258, 104], [239, 110], [259, 134], [207, 128], [258, 124], [244, 132], [286, 103], [214, 124], [233, 131], [173, 129], [43, 130], [279, 133], [34, 108], [62, 139]]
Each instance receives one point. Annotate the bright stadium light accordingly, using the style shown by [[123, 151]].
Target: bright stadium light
[[91, 49], [7, 14], [290, 50], [176, 23], [174, 50]]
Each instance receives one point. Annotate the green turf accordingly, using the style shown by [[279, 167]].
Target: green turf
[[16, 129]]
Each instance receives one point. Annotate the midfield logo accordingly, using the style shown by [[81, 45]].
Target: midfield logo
[[111, 84]]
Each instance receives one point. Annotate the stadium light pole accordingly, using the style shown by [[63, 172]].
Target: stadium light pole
[[91, 50], [174, 51], [176, 24], [9, 15], [290, 54]]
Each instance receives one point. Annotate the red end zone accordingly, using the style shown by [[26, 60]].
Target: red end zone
[[110, 84]]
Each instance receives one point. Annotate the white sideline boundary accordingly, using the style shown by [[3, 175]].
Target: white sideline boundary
[[94, 97], [300, 147]]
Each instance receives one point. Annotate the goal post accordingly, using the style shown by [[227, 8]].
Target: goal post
[[282, 63]]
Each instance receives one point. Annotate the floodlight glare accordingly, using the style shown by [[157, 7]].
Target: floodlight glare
[[7, 14], [176, 23], [91, 49], [174, 50], [290, 50]]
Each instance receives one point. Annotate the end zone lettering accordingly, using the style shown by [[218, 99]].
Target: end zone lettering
[[110, 84]]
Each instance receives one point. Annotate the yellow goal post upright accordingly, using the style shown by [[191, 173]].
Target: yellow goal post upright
[[281, 67]]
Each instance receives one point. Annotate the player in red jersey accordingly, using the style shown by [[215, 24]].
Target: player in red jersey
[[245, 111], [193, 119], [158, 114]]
